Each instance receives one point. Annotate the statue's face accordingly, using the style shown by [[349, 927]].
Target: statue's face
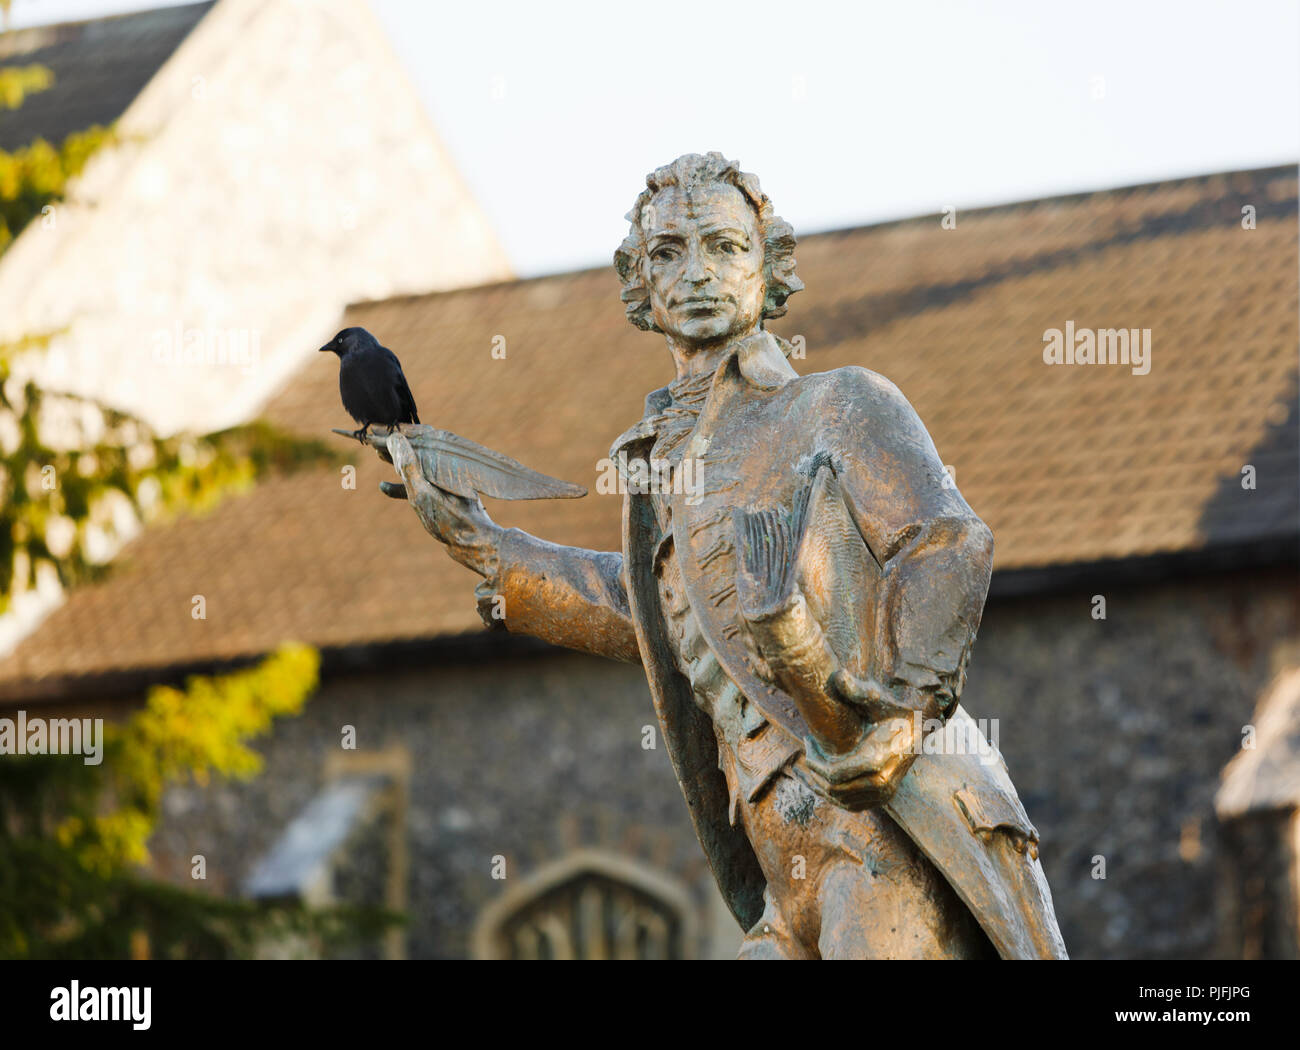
[[704, 254]]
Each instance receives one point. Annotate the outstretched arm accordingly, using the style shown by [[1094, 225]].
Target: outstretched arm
[[567, 596]]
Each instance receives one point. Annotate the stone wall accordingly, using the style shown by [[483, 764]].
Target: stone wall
[[1115, 732], [527, 761]]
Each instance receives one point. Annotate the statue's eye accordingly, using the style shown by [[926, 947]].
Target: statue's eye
[[663, 254], [729, 247]]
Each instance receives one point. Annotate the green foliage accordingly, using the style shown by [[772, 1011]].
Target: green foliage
[[71, 834], [83, 915], [183, 734], [37, 174], [17, 82], [54, 499]]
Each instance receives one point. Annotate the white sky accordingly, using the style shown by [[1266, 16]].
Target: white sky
[[849, 112]]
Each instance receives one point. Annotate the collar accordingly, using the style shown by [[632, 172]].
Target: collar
[[760, 362]]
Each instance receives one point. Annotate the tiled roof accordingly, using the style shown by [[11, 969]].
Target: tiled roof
[[1068, 465], [99, 67]]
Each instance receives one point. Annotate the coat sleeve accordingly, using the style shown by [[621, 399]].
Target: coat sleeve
[[567, 596], [936, 555]]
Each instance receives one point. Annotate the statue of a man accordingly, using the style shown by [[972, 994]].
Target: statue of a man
[[804, 610]]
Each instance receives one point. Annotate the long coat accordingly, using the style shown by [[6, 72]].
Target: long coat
[[764, 435]]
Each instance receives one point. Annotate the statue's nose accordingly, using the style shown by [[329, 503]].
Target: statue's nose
[[696, 271]]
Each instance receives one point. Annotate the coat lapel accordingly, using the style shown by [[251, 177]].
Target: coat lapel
[[688, 732], [704, 537]]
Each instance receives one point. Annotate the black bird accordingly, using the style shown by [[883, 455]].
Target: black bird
[[371, 382]]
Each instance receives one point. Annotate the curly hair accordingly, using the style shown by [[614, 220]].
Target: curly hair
[[692, 171]]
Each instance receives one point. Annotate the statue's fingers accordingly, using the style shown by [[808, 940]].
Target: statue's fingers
[[399, 449], [419, 492], [851, 687], [408, 466]]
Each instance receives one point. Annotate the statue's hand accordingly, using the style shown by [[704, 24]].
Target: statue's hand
[[871, 773], [463, 525]]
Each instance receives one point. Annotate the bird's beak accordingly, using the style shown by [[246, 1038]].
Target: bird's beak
[[325, 349]]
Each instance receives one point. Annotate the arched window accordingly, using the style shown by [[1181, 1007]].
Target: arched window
[[589, 905]]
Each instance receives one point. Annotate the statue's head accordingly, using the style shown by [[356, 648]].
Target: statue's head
[[706, 260]]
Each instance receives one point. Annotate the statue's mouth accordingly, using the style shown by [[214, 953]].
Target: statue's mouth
[[701, 303]]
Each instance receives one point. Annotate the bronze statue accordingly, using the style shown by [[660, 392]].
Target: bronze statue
[[804, 609]]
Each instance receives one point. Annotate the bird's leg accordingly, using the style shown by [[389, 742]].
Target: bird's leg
[[360, 435]]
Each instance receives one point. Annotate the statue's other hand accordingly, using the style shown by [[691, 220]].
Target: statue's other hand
[[876, 701], [462, 524], [871, 773]]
